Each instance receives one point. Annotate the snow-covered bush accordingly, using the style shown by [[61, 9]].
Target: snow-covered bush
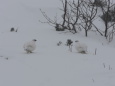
[[12, 29], [59, 43], [69, 43], [99, 3]]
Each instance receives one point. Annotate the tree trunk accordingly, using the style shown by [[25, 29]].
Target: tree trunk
[[86, 33], [106, 32], [65, 12], [106, 28], [74, 28]]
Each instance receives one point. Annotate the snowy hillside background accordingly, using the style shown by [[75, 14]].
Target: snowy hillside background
[[49, 65]]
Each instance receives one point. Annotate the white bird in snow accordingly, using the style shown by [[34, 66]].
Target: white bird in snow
[[81, 47], [30, 46]]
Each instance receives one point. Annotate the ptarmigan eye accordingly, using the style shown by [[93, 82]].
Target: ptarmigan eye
[[34, 40]]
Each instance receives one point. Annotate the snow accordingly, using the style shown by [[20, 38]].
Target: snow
[[49, 64]]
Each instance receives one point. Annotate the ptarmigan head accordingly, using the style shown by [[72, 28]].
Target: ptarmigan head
[[29, 47], [76, 41], [34, 40]]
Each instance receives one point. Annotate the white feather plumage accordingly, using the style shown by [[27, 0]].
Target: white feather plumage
[[29, 47], [81, 47]]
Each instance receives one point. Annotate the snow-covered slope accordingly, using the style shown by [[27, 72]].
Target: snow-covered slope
[[49, 65]]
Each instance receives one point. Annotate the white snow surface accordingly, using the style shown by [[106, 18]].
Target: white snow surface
[[49, 64]]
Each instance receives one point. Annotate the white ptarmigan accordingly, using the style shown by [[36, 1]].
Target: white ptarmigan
[[80, 47], [30, 46]]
